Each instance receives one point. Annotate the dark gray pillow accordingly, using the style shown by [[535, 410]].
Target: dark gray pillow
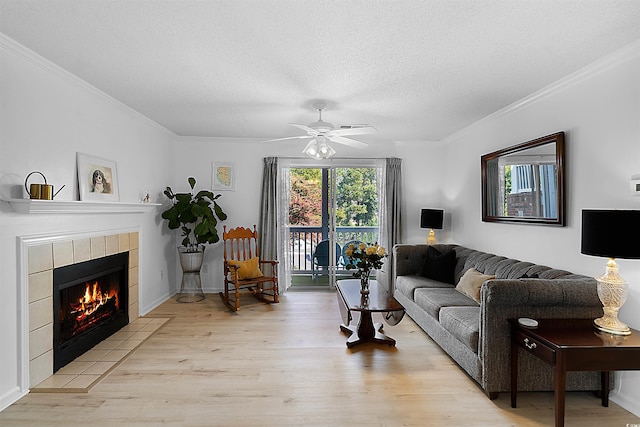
[[529, 276], [440, 265]]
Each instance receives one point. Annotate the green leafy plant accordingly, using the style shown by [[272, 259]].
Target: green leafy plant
[[197, 215]]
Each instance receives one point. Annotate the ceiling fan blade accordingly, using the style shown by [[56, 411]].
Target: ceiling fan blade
[[289, 137], [347, 141], [307, 129], [363, 130]]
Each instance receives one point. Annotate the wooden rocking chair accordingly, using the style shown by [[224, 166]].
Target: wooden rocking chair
[[244, 271]]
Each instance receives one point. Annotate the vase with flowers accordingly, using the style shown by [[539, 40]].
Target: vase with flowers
[[364, 258]]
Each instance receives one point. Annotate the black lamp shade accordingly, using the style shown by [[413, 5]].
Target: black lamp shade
[[611, 233], [431, 218]]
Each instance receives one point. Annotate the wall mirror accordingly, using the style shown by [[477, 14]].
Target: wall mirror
[[525, 183]]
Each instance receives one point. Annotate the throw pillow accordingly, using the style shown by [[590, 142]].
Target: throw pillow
[[248, 269], [440, 266], [471, 282]]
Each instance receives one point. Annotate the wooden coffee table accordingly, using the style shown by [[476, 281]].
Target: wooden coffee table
[[573, 345], [379, 301]]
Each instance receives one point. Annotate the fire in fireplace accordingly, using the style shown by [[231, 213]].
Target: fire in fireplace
[[90, 304]]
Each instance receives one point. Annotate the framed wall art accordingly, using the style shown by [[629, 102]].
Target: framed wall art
[[97, 178], [223, 176]]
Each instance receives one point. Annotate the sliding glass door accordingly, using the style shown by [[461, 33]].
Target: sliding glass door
[[330, 207]]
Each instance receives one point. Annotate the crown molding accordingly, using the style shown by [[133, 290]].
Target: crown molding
[[608, 62], [12, 46]]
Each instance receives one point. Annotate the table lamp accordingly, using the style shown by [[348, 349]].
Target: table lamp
[[431, 218], [612, 234]]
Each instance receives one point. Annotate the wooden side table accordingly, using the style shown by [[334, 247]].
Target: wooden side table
[[379, 301], [573, 345]]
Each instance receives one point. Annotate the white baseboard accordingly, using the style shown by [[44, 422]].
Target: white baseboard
[[629, 403], [11, 397], [153, 304]]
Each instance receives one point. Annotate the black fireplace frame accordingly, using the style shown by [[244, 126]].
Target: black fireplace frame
[[80, 273]]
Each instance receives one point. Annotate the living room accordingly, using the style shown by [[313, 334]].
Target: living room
[[48, 115]]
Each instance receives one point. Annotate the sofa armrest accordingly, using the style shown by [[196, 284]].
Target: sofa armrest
[[406, 260], [540, 292], [503, 299]]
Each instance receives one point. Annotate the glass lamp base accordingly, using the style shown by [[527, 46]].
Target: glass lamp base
[[612, 291], [604, 328]]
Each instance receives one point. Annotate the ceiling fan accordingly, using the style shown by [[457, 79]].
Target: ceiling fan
[[322, 132]]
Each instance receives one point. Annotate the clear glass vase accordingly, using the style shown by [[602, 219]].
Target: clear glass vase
[[364, 282]]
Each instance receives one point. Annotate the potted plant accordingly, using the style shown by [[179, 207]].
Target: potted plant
[[197, 215]]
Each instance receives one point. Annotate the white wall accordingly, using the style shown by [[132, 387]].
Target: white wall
[[194, 157], [46, 116], [599, 109], [423, 178]]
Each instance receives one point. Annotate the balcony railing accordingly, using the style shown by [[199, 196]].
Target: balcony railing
[[304, 239]]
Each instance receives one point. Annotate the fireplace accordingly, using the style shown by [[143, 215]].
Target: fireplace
[[89, 305]]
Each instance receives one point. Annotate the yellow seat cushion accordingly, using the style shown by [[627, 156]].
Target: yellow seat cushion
[[248, 269]]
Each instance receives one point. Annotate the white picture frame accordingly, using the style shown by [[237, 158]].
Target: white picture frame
[[223, 176], [97, 178]]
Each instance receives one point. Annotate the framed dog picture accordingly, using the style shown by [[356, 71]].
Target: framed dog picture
[[97, 178], [224, 176]]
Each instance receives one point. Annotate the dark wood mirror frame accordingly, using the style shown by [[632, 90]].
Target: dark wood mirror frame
[[491, 184]]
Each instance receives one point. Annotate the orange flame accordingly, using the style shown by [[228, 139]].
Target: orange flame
[[91, 301]]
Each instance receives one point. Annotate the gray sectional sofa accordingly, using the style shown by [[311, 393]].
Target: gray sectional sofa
[[477, 335]]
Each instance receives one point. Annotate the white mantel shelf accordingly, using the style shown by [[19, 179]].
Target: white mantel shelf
[[34, 206]]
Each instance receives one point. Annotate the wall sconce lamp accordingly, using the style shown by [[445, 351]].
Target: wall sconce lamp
[[431, 218], [612, 234]]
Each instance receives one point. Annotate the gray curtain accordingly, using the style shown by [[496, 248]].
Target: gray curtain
[[392, 224], [393, 189], [493, 202], [268, 221]]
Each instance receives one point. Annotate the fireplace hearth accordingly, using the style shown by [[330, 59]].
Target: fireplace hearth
[[89, 305]]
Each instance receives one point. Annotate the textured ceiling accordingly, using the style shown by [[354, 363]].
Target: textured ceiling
[[416, 70]]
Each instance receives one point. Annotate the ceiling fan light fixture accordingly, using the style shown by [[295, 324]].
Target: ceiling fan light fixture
[[318, 150], [311, 149], [321, 133], [325, 151]]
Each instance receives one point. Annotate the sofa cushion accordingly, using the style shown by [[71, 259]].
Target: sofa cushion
[[478, 260], [439, 265], [491, 265], [463, 323], [431, 300], [518, 270], [553, 273], [529, 276], [537, 269], [408, 284], [471, 282], [504, 267], [462, 254]]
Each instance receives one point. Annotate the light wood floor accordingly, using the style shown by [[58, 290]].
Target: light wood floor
[[287, 365]]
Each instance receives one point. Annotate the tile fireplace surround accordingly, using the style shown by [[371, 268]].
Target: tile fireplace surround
[[49, 253]]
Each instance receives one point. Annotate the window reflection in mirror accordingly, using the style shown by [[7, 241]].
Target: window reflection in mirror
[[524, 183]]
